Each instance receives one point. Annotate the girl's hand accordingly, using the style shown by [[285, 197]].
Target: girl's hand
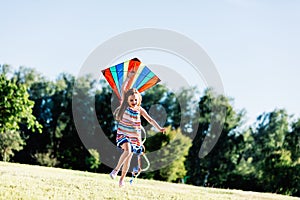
[[130, 74], [163, 130]]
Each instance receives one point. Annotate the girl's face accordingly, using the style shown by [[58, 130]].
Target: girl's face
[[133, 100]]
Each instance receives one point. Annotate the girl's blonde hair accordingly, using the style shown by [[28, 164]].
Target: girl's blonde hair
[[121, 109]]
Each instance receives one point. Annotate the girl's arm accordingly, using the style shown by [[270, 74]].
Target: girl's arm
[[126, 85], [151, 120]]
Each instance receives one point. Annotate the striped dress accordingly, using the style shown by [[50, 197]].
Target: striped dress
[[129, 128]]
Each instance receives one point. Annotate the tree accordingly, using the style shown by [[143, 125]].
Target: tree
[[171, 150], [60, 144], [179, 145], [270, 158], [15, 106], [65, 141], [16, 110], [93, 161], [274, 153], [38, 149], [213, 169], [172, 109], [292, 143], [10, 141], [244, 170]]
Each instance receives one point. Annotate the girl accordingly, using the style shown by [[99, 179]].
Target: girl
[[129, 127]]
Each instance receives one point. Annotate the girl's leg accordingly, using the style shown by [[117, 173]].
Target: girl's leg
[[126, 153], [125, 169]]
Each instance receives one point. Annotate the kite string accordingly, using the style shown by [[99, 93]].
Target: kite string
[[135, 170], [145, 157]]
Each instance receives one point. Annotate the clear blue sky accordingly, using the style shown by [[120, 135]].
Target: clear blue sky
[[255, 44]]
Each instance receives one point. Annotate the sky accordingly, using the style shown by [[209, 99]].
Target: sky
[[254, 44]]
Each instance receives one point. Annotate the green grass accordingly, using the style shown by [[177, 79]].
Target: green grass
[[19, 181]]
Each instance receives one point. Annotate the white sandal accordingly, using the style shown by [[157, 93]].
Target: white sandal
[[113, 174]]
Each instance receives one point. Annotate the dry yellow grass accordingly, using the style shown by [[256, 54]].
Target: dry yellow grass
[[19, 181]]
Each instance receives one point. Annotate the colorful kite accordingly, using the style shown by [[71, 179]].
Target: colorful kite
[[143, 79]]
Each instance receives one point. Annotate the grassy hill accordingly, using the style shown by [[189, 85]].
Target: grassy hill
[[18, 181]]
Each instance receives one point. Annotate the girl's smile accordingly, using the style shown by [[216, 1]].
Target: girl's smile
[[133, 100]]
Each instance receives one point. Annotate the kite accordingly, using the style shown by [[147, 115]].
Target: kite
[[143, 79]]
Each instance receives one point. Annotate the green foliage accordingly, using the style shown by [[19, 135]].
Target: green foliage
[[39, 148], [272, 157], [59, 145], [15, 106], [10, 141], [16, 110], [46, 159], [292, 141], [225, 154], [179, 107], [173, 150], [266, 158], [93, 161], [67, 144], [266, 155]]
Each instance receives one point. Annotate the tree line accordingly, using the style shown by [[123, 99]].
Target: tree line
[[37, 127]]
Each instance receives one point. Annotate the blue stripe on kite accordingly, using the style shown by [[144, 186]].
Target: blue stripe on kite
[[115, 76], [141, 77], [120, 73], [147, 78]]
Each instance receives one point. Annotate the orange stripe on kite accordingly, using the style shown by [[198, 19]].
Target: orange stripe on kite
[[149, 84], [133, 66], [107, 74]]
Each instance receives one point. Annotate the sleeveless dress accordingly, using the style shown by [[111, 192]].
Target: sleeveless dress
[[129, 129]]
